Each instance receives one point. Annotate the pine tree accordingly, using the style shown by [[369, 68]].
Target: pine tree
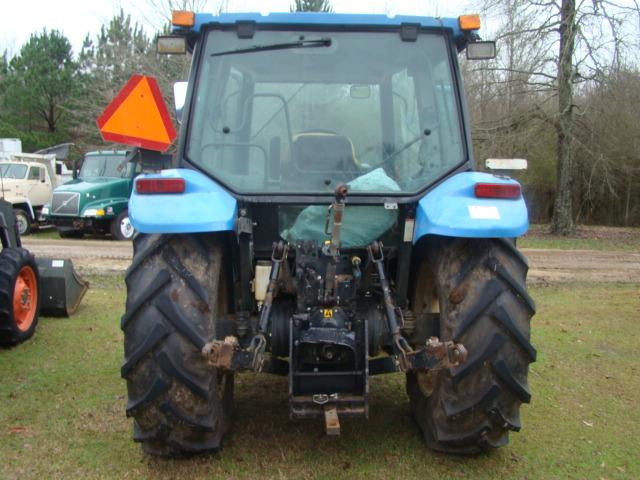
[[107, 61], [38, 85]]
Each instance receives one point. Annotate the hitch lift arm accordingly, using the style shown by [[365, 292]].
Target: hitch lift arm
[[435, 354], [227, 354]]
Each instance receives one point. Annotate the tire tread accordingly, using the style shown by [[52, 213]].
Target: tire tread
[[173, 393], [12, 260], [485, 306]]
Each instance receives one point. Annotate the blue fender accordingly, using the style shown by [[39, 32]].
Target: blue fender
[[203, 207], [452, 209]]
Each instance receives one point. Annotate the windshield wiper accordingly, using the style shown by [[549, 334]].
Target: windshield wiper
[[322, 42]]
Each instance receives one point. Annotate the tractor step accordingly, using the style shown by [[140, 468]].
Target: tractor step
[[331, 420], [331, 407]]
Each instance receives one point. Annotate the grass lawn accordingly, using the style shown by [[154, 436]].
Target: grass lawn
[[48, 233], [62, 413]]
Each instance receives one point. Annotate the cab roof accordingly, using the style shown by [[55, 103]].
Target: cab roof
[[325, 19]]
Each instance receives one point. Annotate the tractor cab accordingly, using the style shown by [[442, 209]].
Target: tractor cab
[[293, 114], [324, 223]]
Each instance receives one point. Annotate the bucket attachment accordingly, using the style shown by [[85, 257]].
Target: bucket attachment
[[61, 287]]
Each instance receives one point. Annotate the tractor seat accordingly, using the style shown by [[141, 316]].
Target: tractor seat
[[319, 156]]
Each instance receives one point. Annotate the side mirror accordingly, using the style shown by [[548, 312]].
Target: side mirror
[[75, 169], [171, 45], [179, 98], [481, 50]]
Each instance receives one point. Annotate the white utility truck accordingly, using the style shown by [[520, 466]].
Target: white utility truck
[[27, 181]]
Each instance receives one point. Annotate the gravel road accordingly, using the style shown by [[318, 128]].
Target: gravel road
[[547, 266]]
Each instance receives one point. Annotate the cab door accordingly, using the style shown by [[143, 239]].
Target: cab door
[[39, 185]]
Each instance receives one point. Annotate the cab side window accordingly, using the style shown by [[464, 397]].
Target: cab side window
[[34, 173]]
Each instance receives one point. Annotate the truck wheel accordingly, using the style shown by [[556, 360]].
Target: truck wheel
[[70, 233], [478, 286], [19, 298], [121, 228], [23, 221], [176, 290]]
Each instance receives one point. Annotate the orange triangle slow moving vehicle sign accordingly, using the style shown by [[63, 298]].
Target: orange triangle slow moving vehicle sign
[[137, 116]]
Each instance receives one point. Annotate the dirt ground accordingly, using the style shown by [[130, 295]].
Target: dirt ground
[[88, 256], [547, 265], [589, 232], [553, 266]]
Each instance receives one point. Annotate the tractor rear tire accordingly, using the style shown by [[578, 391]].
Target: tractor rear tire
[[176, 289], [479, 289], [19, 296]]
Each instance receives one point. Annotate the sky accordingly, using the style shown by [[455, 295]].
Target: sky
[[76, 18]]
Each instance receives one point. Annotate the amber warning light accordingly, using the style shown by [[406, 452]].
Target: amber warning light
[[183, 18], [469, 22]]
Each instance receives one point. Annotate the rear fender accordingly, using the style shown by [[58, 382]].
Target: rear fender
[[203, 207], [452, 209]]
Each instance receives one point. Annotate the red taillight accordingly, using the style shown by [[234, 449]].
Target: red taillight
[[160, 185], [497, 190]]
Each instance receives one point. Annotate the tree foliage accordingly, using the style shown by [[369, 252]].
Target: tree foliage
[[107, 61], [47, 96], [537, 98], [38, 85], [608, 151], [4, 65], [311, 6]]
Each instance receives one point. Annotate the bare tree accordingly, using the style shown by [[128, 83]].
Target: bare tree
[[311, 6], [562, 210], [157, 13], [608, 150], [550, 48]]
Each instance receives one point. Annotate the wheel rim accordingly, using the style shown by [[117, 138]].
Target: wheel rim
[[25, 298], [427, 302], [126, 229], [225, 380], [22, 224]]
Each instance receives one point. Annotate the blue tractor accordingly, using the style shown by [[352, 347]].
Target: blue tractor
[[325, 223]]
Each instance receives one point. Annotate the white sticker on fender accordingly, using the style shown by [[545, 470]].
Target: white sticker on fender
[[482, 212]]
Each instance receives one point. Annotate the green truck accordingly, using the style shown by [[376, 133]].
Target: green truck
[[96, 201]]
